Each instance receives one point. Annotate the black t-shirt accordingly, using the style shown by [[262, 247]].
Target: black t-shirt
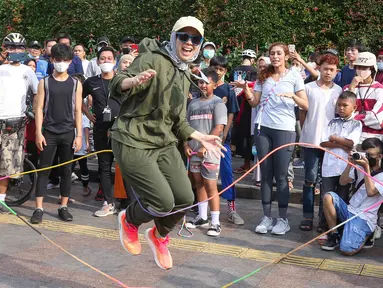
[[248, 73], [98, 89], [59, 105]]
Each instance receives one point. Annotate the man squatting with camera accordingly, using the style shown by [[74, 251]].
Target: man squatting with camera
[[341, 135]]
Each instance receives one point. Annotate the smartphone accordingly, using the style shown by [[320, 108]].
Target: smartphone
[[291, 48], [134, 47], [17, 57]]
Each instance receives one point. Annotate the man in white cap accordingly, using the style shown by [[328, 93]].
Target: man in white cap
[[151, 121], [369, 96]]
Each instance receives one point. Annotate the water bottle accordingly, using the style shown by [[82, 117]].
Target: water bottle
[[254, 150]]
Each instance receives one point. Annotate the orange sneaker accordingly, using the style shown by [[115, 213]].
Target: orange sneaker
[[160, 249], [128, 235]]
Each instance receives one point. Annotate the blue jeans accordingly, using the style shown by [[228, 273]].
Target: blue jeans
[[313, 159], [355, 232], [226, 171]]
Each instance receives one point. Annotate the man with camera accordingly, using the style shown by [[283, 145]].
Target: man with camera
[[15, 81], [104, 110], [356, 232]]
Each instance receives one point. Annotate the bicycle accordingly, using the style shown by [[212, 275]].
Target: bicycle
[[20, 189]]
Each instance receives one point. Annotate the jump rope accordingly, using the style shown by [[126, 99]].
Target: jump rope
[[191, 206]]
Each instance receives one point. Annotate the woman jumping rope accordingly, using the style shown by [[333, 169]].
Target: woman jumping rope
[[151, 121]]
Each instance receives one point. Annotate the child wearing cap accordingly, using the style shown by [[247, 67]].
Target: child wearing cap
[[151, 121], [369, 96], [208, 115], [208, 52]]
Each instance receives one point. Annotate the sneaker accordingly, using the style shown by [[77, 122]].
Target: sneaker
[[234, 217], [197, 222], [37, 216], [332, 242], [369, 242], [160, 249], [64, 214], [214, 230], [73, 177], [4, 210], [128, 235], [322, 240], [106, 209], [51, 186], [281, 228], [265, 225], [378, 232]]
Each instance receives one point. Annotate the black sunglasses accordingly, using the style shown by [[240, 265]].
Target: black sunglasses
[[184, 37]]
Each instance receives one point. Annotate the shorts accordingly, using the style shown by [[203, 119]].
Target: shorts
[[355, 232], [11, 152], [209, 171]]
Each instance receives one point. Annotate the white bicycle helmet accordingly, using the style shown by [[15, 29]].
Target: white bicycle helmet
[[249, 53], [14, 39]]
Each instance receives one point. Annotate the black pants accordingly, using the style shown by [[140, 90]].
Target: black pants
[[83, 169], [63, 145], [105, 160], [54, 176]]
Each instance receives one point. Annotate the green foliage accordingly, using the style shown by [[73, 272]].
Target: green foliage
[[232, 24]]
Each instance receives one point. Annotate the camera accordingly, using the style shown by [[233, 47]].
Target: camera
[[358, 155], [107, 114]]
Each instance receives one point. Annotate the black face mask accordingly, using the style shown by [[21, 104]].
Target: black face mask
[[371, 161], [125, 51]]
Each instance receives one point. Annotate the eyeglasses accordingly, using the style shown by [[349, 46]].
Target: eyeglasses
[[184, 37]]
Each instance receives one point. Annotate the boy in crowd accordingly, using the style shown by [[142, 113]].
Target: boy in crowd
[[59, 97], [356, 232], [340, 136], [345, 76], [208, 115], [226, 93], [322, 96]]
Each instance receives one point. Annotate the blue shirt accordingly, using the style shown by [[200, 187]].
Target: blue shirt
[[227, 94], [345, 76]]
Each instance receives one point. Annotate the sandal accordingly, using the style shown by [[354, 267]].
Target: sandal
[[240, 170], [89, 191], [306, 224]]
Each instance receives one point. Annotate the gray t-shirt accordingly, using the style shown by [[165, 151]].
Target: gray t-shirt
[[203, 115]]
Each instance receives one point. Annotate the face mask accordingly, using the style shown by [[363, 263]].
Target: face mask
[[208, 54], [61, 66], [106, 67], [295, 68], [380, 66], [363, 73], [312, 64], [372, 162], [32, 57], [125, 51]]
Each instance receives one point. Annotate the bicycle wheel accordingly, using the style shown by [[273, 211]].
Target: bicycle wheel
[[21, 189]]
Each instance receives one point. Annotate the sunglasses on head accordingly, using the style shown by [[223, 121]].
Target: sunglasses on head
[[184, 37]]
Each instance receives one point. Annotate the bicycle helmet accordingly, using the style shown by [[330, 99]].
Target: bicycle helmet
[[14, 39], [249, 53]]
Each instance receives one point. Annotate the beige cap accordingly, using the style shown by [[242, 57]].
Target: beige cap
[[366, 59], [189, 21]]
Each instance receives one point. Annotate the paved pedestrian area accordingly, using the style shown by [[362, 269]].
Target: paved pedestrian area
[[28, 260]]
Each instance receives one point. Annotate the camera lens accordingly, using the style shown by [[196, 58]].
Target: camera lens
[[356, 156]]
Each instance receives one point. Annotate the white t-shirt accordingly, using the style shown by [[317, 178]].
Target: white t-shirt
[[322, 103], [15, 81], [278, 112], [85, 64], [350, 129], [360, 200]]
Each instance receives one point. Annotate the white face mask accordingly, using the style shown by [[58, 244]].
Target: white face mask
[[380, 66], [295, 68], [363, 73], [106, 67], [61, 66]]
